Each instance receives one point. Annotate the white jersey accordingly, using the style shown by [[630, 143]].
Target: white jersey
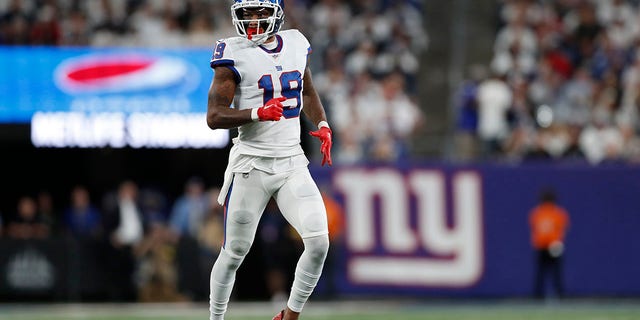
[[262, 74]]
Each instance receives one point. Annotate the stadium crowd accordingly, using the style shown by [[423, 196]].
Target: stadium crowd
[[562, 84], [143, 245]]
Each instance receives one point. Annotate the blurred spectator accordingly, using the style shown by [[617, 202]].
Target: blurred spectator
[[189, 209], [156, 275], [109, 21], [466, 111], [327, 13], [374, 29], [386, 116], [124, 228], [209, 241], [515, 47], [75, 30], [548, 222], [494, 101], [47, 212], [584, 30], [147, 22], [155, 255], [26, 223], [601, 140], [630, 95], [82, 219], [199, 32], [187, 216], [15, 23], [123, 218], [362, 59], [211, 231], [153, 204], [406, 15], [46, 30], [16, 30]]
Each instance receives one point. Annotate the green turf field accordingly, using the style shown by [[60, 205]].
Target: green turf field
[[385, 310]]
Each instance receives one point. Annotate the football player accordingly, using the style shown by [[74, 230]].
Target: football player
[[264, 74]]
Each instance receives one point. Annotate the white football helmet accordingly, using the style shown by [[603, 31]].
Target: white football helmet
[[265, 27]]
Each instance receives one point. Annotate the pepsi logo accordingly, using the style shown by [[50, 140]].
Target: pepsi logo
[[121, 73]]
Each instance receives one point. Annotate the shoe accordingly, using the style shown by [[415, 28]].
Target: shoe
[[279, 316]]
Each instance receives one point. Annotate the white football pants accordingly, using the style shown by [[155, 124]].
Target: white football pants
[[301, 204]]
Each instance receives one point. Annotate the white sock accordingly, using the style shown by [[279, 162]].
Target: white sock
[[308, 271], [223, 276]]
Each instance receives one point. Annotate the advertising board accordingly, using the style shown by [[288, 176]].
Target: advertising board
[[115, 97]]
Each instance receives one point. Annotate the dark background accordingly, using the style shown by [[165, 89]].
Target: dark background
[[27, 170]]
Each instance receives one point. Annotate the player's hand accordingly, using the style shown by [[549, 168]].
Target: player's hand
[[272, 110], [324, 134]]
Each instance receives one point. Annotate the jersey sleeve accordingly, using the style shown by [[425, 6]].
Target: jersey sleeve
[[224, 56], [304, 41]]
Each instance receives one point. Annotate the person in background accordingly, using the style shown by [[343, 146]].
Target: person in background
[[549, 223], [27, 224], [157, 274], [466, 110], [189, 209], [211, 231], [187, 216], [204, 249], [47, 212], [82, 219], [494, 99], [124, 227], [123, 218]]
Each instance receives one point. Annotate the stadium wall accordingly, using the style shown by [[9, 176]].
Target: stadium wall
[[428, 230], [462, 231]]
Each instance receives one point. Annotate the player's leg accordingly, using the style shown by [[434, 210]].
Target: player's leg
[[301, 204], [244, 204]]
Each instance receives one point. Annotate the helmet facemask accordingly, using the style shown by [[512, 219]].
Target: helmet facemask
[[270, 16]]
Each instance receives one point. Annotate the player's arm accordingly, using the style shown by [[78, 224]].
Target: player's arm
[[221, 93], [314, 110], [312, 106]]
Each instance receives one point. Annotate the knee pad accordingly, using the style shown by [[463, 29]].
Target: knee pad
[[317, 247], [241, 217], [312, 217], [238, 248]]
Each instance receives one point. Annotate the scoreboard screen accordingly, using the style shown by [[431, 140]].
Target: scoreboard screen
[[108, 97]]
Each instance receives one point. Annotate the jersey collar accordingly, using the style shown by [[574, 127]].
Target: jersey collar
[[277, 49]]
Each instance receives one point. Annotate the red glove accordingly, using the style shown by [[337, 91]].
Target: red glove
[[272, 110], [324, 134]]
